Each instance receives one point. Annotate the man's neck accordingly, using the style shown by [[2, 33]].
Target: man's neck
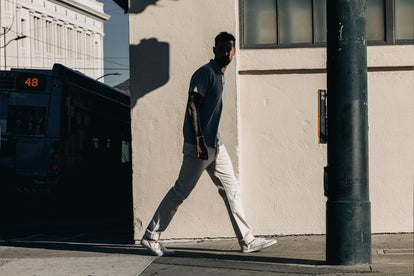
[[222, 68]]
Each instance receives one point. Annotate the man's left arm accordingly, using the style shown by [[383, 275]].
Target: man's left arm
[[194, 100]]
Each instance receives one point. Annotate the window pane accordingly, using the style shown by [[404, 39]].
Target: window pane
[[26, 120], [320, 20], [260, 22], [404, 23], [375, 20], [295, 19]]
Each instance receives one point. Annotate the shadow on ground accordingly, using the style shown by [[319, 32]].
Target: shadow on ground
[[116, 243]]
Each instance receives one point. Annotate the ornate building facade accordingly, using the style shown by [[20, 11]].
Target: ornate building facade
[[69, 32]]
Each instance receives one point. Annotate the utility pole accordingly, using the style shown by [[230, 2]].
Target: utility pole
[[348, 209]]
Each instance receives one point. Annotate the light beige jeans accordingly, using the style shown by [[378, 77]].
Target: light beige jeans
[[220, 169]]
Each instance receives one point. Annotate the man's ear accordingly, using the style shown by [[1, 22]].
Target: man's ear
[[214, 50]]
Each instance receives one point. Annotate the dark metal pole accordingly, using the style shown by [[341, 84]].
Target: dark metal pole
[[348, 210]]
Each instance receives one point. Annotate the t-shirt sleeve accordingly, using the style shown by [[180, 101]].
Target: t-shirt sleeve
[[200, 82]]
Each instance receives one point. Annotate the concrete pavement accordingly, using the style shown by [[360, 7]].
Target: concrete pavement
[[87, 254]]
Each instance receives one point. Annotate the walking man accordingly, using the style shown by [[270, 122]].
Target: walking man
[[204, 151]]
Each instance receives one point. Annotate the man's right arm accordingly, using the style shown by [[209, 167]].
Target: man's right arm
[[194, 100]]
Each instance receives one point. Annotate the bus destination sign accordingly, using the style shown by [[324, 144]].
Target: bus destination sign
[[27, 81]]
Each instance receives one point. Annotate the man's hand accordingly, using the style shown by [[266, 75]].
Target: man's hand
[[202, 150]]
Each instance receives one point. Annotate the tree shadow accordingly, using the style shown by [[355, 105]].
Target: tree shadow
[[141, 5], [150, 67]]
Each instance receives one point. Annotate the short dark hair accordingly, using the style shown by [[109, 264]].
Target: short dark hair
[[224, 36]]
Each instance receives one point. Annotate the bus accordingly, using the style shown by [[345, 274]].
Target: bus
[[65, 142]]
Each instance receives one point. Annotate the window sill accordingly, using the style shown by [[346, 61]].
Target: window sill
[[314, 59]]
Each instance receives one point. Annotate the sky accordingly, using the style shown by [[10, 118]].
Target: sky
[[116, 43]]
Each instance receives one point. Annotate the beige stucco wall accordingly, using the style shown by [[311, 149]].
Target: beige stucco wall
[[282, 162], [189, 28], [391, 133], [269, 126]]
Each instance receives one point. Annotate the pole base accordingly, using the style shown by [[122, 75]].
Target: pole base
[[348, 232]]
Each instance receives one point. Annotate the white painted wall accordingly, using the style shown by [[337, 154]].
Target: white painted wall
[[282, 162], [269, 126], [189, 28], [391, 133], [280, 152]]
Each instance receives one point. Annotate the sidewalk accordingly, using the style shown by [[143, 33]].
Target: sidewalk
[[392, 254]]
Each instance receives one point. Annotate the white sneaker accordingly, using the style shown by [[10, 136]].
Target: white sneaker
[[156, 248], [257, 244]]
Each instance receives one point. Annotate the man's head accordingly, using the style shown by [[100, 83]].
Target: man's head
[[224, 49], [223, 37]]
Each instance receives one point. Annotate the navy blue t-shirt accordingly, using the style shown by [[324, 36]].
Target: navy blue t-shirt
[[208, 81]]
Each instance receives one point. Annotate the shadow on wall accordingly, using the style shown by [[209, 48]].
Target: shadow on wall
[[140, 5], [150, 67]]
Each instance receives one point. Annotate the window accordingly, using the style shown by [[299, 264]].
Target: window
[[79, 44], [26, 120], [96, 52], [22, 31], [37, 33], [88, 48], [260, 22], [302, 23], [70, 42], [404, 19], [375, 20], [49, 36], [59, 39], [125, 152], [295, 21]]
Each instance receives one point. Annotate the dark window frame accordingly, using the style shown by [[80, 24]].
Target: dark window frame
[[389, 29]]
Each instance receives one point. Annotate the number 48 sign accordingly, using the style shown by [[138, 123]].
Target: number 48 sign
[[27, 81], [32, 82]]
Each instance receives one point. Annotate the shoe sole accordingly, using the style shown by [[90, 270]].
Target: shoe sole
[[259, 247]]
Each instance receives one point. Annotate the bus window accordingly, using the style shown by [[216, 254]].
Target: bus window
[[26, 120], [108, 142], [126, 152], [95, 141], [3, 118]]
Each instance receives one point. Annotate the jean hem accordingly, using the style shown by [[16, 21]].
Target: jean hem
[[152, 235]]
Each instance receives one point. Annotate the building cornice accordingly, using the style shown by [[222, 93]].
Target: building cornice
[[78, 6]]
